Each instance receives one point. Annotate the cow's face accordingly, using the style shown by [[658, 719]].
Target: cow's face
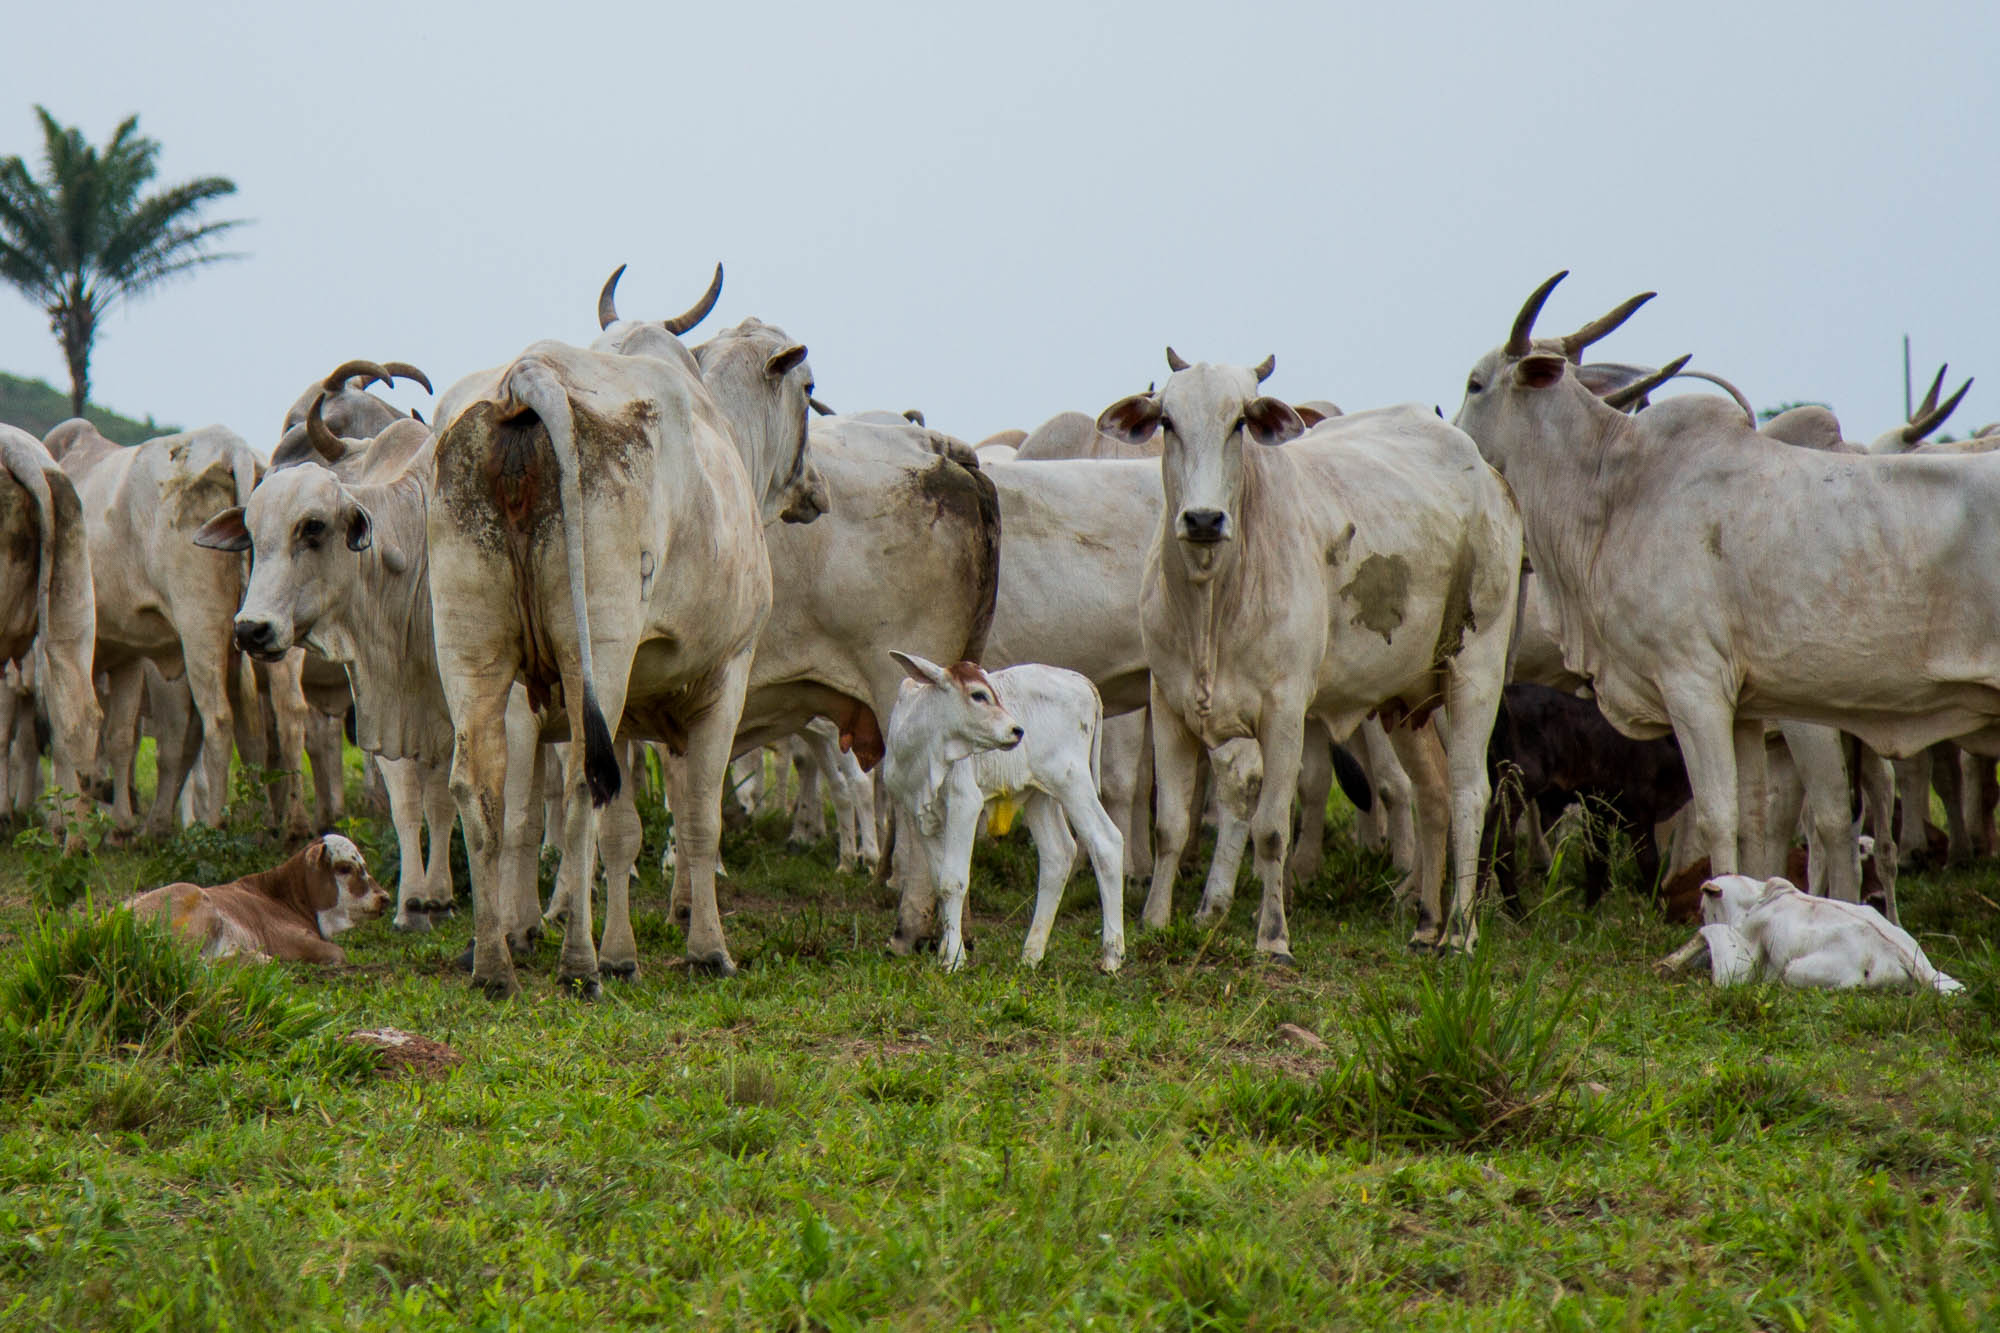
[[1207, 414], [305, 531], [959, 707], [343, 892], [762, 382]]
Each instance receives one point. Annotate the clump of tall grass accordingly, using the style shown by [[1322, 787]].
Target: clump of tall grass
[[1468, 1066], [91, 986]]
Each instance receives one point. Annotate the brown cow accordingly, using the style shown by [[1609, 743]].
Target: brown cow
[[286, 913]]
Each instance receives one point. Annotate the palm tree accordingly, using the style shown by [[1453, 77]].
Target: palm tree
[[83, 238]]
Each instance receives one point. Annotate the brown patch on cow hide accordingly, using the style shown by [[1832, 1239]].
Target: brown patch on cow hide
[[1380, 591], [1458, 616], [861, 735], [1713, 541], [965, 498]]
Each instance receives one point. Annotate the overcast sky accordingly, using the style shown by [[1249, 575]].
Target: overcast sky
[[997, 213]]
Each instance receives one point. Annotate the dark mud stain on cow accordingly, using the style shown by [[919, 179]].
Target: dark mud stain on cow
[[1380, 592], [1714, 540], [1458, 615], [966, 498]]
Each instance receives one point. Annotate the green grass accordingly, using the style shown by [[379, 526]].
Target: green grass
[[839, 1138], [36, 407]]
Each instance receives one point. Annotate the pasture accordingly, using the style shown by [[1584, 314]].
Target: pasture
[[838, 1137]]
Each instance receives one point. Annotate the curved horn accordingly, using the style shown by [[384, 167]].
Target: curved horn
[[403, 370], [1574, 343], [1519, 338], [697, 312], [914, 416], [1929, 421], [1929, 404], [607, 299], [1174, 362], [1266, 366], [1637, 389], [820, 407], [347, 370], [324, 442], [1728, 388], [418, 417]]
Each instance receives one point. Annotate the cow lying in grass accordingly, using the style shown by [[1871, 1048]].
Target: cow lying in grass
[[285, 913], [959, 738], [1770, 930]]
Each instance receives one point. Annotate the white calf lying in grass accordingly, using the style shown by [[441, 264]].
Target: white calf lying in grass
[[1768, 930], [959, 738]]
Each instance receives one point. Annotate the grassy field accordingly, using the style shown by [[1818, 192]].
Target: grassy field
[[839, 1138]]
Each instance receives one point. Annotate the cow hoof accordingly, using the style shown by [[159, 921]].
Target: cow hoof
[[584, 987], [1110, 963], [901, 947], [620, 971], [716, 964], [497, 988], [414, 923], [1278, 958], [1420, 945]]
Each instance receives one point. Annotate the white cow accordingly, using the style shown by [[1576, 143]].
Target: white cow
[[960, 738], [1864, 595], [1769, 930], [46, 599], [1371, 567]]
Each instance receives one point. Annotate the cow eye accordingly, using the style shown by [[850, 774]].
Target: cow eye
[[311, 530], [1473, 386], [979, 697]]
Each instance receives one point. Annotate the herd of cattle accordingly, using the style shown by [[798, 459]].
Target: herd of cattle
[[1567, 590]]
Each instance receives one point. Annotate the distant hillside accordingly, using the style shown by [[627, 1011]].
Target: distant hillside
[[36, 408]]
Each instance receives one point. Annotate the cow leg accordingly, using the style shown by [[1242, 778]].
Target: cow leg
[[177, 736], [1878, 795], [440, 813], [121, 738], [10, 712], [1119, 741], [1315, 781], [577, 967], [286, 682], [519, 894], [809, 812], [1232, 835], [1834, 857], [1055, 855], [208, 684], [1270, 797], [1396, 798], [1945, 777], [620, 834], [1176, 758], [479, 773], [329, 777], [916, 887], [1477, 676], [1711, 742], [1421, 755], [861, 811], [1098, 831], [698, 815], [1752, 809], [406, 811]]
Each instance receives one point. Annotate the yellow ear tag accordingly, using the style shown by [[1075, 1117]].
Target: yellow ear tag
[[1005, 808]]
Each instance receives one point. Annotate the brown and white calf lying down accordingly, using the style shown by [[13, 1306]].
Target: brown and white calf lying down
[[287, 913]]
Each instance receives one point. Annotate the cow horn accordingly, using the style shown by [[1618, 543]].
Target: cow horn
[[1728, 388], [1266, 366], [417, 417], [405, 371], [819, 407], [1929, 421], [347, 370], [1575, 343], [324, 442], [913, 415], [607, 299], [1637, 389], [697, 312], [1174, 362], [1522, 334], [1929, 404]]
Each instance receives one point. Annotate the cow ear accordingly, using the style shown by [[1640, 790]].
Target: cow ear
[[321, 891], [224, 532], [1540, 370], [360, 530], [921, 670], [781, 362], [1272, 421], [1133, 420], [1311, 416]]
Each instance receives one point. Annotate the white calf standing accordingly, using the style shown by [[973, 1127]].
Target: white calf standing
[[1768, 930], [958, 738]]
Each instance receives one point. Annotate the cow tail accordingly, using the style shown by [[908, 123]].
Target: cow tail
[[1353, 779], [1097, 741], [533, 384]]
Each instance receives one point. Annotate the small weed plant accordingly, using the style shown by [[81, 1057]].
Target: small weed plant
[[57, 878]]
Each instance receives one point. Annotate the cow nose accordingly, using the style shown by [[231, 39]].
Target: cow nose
[[256, 636], [1017, 733], [1204, 525]]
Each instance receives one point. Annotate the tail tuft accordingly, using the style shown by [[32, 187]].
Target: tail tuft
[[600, 757], [1353, 780]]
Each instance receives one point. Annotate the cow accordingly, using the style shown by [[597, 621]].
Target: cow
[[1371, 567], [158, 597], [48, 617], [1769, 930], [960, 738], [1864, 596], [347, 410], [288, 913]]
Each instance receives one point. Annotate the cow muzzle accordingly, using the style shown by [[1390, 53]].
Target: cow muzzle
[[260, 639], [1204, 527]]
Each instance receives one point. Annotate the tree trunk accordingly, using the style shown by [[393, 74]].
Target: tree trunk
[[76, 329]]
